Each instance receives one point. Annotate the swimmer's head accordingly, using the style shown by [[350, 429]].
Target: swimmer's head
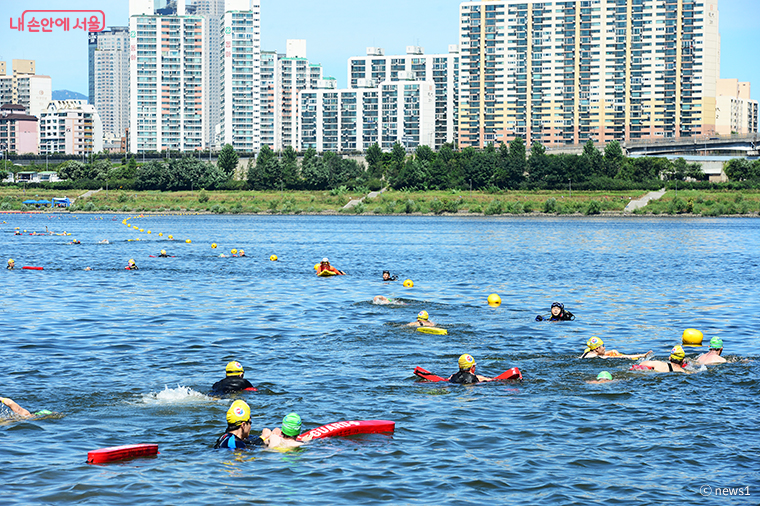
[[325, 260], [131, 261], [594, 343], [234, 368], [677, 354], [604, 375], [466, 362], [163, 252], [11, 261], [238, 413], [291, 425], [422, 315], [716, 343], [558, 304]]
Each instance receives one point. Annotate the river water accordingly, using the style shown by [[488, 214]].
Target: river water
[[126, 357]]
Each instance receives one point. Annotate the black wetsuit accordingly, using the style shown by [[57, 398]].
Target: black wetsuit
[[563, 316], [231, 384], [231, 441], [464, 378]]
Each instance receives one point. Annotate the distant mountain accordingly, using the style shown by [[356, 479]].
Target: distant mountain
[[68, 95]]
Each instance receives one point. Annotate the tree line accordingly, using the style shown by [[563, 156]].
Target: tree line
[[506, 167]]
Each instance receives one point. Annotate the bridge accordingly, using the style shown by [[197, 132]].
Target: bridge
[[726, 145]]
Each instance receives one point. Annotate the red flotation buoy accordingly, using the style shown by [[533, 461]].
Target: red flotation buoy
[[349, 428], [115, 453], [427, 375], [32, 268]]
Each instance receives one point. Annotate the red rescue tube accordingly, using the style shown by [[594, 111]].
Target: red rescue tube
[[511, 374], [349, 428], [115, 453], [32, 268], [427, 375]]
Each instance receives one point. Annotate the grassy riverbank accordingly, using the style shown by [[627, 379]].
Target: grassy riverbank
[[707, 203]]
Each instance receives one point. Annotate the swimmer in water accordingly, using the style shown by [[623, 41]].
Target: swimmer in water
[[387, 276], [285, 438], [233, 382], [324, 265], [11, 264], [163, 254], [242, 253], [595, 349], [714, 355], [602, 377], [75, 241], [466, 374], [21, 411], [379, 299], [558, 314], [104, 241], [676, 364], [423, 320], [238, 428], [88, 268], [131, 265]]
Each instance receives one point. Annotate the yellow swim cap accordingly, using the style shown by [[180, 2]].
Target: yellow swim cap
[[234, 368], [466, 361], [131, 261], [677, 353], [163, 252], [422, 315], [594, 343], [11, 261], [238, 413]]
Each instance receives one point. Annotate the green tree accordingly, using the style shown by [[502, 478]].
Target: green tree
[[592, 163], [397, 159], [423, 153], [517, 155], [739, 169], [614, 159], [289, 168], [315, 174], [227, 161], [374, 160]]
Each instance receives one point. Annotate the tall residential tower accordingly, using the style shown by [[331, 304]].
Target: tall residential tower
[[562, 72]]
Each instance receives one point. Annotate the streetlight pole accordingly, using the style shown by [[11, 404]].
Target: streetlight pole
[[570, 184]]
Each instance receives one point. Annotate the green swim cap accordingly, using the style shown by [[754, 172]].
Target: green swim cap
[[291, 425], [604, 375], [716, 343], [43, 412]]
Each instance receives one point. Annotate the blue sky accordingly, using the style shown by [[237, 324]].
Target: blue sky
[[335, 30]]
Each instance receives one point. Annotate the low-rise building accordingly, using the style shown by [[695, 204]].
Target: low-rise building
[[18, 130]]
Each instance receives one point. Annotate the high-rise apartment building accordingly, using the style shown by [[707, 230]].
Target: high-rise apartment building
[[296, 74], [443, 69], [24, 87], [72, 127], [562, 72], [213, 11], [109, 78], [735, 111], [241, 75], [167, 74], [356, 118], [271, 89]]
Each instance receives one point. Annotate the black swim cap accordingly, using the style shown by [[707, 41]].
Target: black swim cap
[[558, 304]]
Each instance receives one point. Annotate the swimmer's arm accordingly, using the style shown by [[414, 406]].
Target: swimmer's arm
[[636, 356], [15, 407], [483, 378], [306, 438]]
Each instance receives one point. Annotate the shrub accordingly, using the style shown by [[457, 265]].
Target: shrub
[[123, 197], [476, 209], [594, 207], [374, 185], [203, 196], [550, 205], [360, 208], [410, 206], [496, 206]]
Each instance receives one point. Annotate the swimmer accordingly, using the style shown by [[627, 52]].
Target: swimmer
[[11, 264], [466, 374], [714, 355], [423, 320], [131, 265], [242, 253], [88, 268], [18, 232], [234, 381], [558, 314], [602, 377], [595, 349], [387, 276], [238, 428], [104, 241], [676, 363], [75, 241], [21, 411], [285, 438], [324, 265], [379, 299], [163, 254], [222, 255]]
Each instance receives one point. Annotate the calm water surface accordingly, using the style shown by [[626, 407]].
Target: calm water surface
[[128, 357]]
